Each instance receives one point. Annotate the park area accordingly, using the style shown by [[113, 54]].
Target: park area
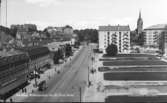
[[141, 99], [133, 67], [116, 69], [131, 78], [132, 60]]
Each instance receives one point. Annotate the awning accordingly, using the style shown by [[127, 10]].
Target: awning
[[11, 89]]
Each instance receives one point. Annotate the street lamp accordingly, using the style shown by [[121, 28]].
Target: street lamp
[[88, 76], [35, 77], [79, 86], [89, 82]]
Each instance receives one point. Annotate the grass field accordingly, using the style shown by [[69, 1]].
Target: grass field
[[136, 76], [105, 69], [141, 99], [129, 58], [131, 55], [134, 62]]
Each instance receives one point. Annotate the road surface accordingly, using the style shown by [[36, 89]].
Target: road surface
[[67, 85]]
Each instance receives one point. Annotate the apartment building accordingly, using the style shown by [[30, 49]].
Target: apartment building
[[118, 35], [153, 34]]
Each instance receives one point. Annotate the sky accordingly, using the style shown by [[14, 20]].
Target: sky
[[81, 14]]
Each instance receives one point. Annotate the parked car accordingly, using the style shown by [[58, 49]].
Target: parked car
[[41, 71], [32, 76], [42, 86]]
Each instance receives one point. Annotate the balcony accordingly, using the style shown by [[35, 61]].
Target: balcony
[[125, 38], [125, 35], [125, 46]]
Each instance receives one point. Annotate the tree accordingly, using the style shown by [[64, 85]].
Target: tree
[[76, 44], [87, 35], [137, 39], [112, 50], [140, 40], [162, 43], [68, 50], [13, 32], [57, 56], [133, 37]]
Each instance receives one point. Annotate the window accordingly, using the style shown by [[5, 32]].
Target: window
[[108, 33]]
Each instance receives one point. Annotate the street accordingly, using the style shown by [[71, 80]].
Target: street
[[67, 85]]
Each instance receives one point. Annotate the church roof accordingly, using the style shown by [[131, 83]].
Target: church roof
[[157, 27], [114, 28]]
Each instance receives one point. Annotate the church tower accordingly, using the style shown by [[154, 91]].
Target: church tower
[[139, 24]]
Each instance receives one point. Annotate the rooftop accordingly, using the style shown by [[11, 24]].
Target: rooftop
[[9, 53], [114, 28], [157, 27]]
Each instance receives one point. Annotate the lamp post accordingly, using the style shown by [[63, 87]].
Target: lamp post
[[35, 73], [80, 93], [88, 77], [79, 86]]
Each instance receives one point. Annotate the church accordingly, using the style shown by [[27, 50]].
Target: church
[[139, 24]]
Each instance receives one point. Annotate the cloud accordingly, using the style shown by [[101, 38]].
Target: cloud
[[42, 3], [78, 3]]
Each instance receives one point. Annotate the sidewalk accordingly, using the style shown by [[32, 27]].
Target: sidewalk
[[92, 94], [20, 96]]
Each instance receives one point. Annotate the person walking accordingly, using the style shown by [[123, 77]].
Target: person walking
[[11, 100]]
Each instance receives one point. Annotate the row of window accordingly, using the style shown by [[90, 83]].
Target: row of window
[[108, 33], [14, 77], [13, 71]]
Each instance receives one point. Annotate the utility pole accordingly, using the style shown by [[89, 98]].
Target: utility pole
[[0, 12], [6, 12], [88, 77], [35, 74], [80, 91]]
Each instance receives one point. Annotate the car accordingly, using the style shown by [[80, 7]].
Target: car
[[58, 72], [41, 71], [42, 85], [32, 76], [37, 76]]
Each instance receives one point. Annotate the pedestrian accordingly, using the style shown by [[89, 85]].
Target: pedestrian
[[22, 90], [32, 91], [11, 100], [25, 90]]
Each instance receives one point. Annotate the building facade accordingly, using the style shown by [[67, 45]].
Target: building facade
[[153, 34], [68, 30], [118, 35], [139, 24], [39, 57], [24, 31], [5, 37]]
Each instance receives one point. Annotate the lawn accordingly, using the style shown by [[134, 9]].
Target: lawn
[[105, 69], [136, 76], [131, 55], [134, 62], [136, 99], [129, 58]]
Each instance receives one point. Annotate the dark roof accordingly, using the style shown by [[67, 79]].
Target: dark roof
[[5, 29], [35, 52], [12, 59], [114, 28]]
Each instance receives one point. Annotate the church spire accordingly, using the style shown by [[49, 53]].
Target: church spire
[[139, 24], [140, 14]]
